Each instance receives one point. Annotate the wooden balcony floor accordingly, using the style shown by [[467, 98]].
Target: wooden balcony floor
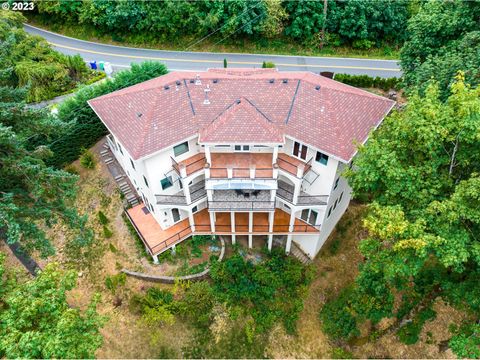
[[241, 164], [158, 239]]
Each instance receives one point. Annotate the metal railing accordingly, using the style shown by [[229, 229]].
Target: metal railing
[[291, 167], [190, 168], [286, 193], [242, 205], [244, 228], [241, 173], [181, 199], [172, 240]]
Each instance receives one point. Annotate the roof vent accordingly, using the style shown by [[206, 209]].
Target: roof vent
[[178, 82], [285, 81], [192, 81], [206, 90], [166, 87], [317, 87], [238, 101], [139, 115], [197, 80], [271, 81], [215, 81]]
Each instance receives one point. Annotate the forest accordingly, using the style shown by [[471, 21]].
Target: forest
[[409, 241], [357, 24]]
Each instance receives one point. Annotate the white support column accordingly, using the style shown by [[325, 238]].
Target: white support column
[[229, 172], [212, 221], [183, 170], [296, 190], [207, 171], [209, 195], [271, 218], [208, 156], [275, 155], [250, 229], [155, 259], [300, 170], [191, 220], [174, 249], [291, 228], [275, 171], [186, 192], [232, 221], [252, 172]]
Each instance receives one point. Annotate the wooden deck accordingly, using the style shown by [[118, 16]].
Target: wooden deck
[[158, 240]]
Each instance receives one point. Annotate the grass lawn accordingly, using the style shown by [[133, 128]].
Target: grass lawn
[[126, 336], [279, 46]]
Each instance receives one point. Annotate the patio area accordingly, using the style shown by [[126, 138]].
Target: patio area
[[158, 240]]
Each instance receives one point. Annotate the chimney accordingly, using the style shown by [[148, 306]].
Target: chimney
[[197, 80], [206, 90]]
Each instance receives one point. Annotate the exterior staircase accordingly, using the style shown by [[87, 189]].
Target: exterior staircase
[[119, 176], [281, 240]]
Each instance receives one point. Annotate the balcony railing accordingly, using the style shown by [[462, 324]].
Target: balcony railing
[[241, 173], [291, 165], [244, 205], [190, 165], [244, 228], [172, 240], [285, 192], [197, 192]]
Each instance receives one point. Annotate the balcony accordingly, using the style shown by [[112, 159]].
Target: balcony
[[293, 166], [241, 166], [241, 200], [197, 192], [285, 192], [189, 166], [158, 240]]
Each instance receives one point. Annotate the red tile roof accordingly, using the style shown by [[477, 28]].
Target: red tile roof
[[321, 112], [241, 122]]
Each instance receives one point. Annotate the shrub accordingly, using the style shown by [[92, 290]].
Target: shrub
[[113, 282], [102, 218], [87, 159], [409, 333], [107, 233], [337, 316], [366, 81], [225, 64], [268, 65], [72, 169]]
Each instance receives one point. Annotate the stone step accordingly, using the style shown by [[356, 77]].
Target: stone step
[[104, 152], [106, 146], [118, 177], [124, 187], [108, 160]]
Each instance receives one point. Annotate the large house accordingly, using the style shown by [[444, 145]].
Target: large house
[[257, 153]]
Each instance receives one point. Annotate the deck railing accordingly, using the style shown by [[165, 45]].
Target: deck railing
[[172, 240], [241, 173], [181, 199], [241, 205], [286, 193], [244, 228], [190, 168]]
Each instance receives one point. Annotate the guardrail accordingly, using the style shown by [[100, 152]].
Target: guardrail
[[264, 229], [241, 173], [172, 240], [287, 194], [181, 199], [242, 205], [190, 168]]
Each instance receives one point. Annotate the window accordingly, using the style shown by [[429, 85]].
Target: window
[[120, 148], [242, 147], [300, 150], [335, 205], [260, 146], [166, 182], [176, 215], [133, 165], [222, 146], [180, 149], [321, 158], [309, 216], [329, 212], [194, 209], [145, 179], [340, 198], [336, 184], [180, 184], [151, 208]]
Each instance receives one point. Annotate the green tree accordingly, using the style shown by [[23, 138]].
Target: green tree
[[32, 195], [37, 322], [443, 38], [420, 170]]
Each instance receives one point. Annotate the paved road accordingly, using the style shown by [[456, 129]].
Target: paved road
[[177, 60]]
